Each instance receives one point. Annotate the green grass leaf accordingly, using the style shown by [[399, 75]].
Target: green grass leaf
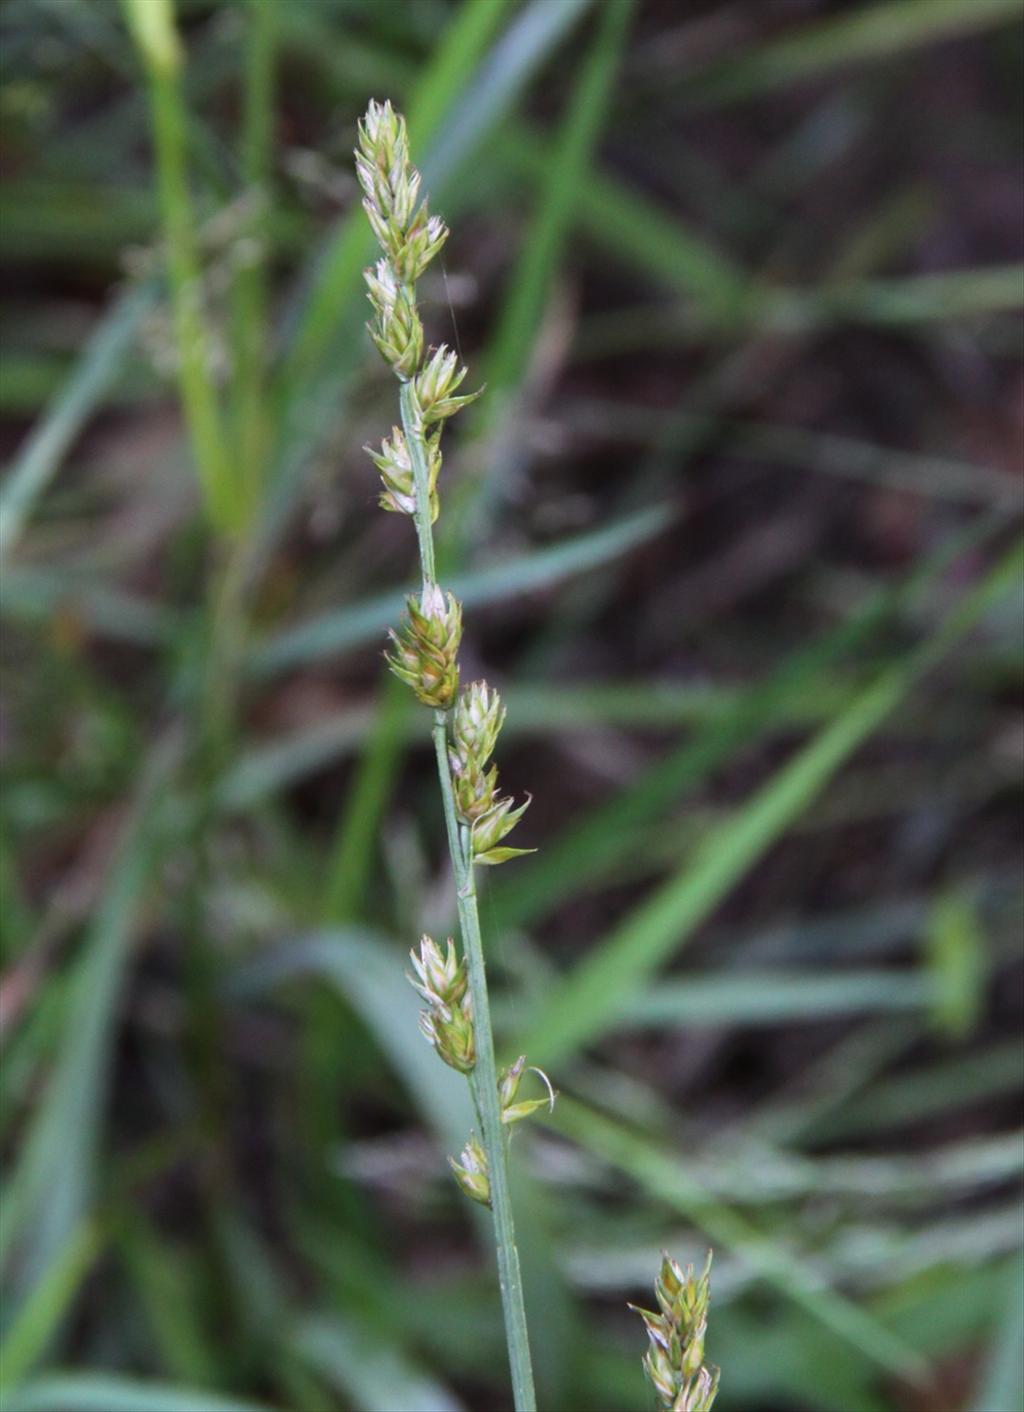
[[587, 849], [96, 371], [640, 233], [870, 32], [52, 1186], [110, 1392], [593, 997], [665, 1177], [39, 1318], [373, 1373], [564, 181], [1001, 1388], [776, 997], [361, 623]]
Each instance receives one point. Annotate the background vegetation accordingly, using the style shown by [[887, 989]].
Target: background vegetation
[[735, 523]]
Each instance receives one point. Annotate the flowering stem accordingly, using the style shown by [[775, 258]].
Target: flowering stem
[[412, 428], [152, 25], [425, 657], [483, 1081], [484, 1085]]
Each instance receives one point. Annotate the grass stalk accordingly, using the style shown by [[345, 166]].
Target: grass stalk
[[249, 294], [483, 1083], [152, 24], [425, 656], [483, 1080]]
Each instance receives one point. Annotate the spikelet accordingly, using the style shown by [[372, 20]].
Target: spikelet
[[471, 1172], [436, 385], [425, 651], [395, 466], [395, 328], [409, 236], [477, 719], [508, 1087], [447, 1023], [674, 1361], [488, 831]]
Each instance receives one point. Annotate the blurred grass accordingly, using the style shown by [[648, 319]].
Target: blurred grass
[[735, 509]]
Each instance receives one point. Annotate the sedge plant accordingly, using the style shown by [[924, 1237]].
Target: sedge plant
[[466, 721]]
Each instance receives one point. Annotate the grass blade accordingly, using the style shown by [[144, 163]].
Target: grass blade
[[530, 39], [153, 27], [372, 1373], [776, 998], [604, 837], [870, 32], [639, 232], [663, 1176], [564, 181], [41, 1314], [110, 1392], [363, 622], [592, 998], [95, 373], [251, 432], [51, 1189], [338, 270], [1002, 1384]]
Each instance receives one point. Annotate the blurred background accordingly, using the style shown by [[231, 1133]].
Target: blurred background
[[735, 530]]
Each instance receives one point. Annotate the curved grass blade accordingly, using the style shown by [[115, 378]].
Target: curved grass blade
[[373, 1374], [664, 1177], [593, 997], [337, 279], [868, 33], [565, 178], [585, 851], [1001, 1388], [363, 622], [640, 232], [39, 1318]]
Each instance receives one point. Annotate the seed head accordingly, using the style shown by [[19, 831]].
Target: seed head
[[419, 245], [396, 329], [508, 1087], [405, 231], [448, 1022], [478, 717], [476, 722], [436, 384], [449, 1029], [674, 1361], [488, 831], [425, 651], [442, 977], [471, 1172], [395, 466], [390, 184]]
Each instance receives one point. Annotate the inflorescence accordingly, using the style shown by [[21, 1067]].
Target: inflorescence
[[424, 650], [674, 1361]]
